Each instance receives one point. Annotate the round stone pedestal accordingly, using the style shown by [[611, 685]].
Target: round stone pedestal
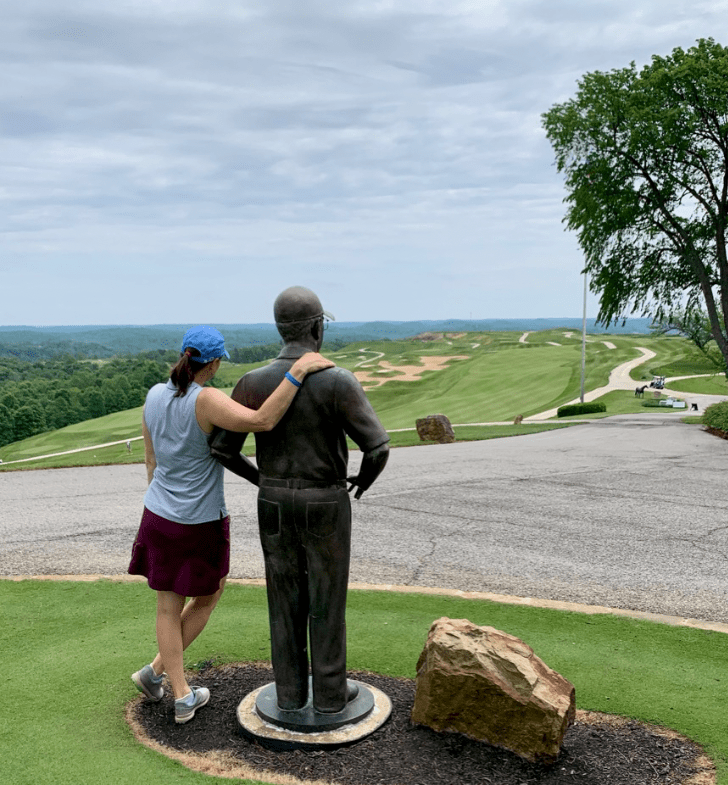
[[260, 718]]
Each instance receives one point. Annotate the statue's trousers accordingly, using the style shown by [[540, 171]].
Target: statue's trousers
[[306, 538]]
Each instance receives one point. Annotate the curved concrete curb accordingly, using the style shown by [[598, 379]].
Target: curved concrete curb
[[504, 599]]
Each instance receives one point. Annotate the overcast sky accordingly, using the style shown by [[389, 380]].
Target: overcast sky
[[182, 161]]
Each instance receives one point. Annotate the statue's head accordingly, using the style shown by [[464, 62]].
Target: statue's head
[[300, 316]]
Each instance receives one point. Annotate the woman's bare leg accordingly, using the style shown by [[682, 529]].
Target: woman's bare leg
[[192, 619], [169, 639]]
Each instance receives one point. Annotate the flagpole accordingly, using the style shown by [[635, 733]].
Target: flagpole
[[583, 343]]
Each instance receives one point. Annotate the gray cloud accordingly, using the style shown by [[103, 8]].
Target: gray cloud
[[369, 140]]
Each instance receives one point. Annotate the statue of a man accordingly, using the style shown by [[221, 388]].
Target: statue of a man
[[304, 512]]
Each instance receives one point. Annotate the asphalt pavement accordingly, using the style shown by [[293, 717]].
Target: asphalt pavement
[[629, 512]]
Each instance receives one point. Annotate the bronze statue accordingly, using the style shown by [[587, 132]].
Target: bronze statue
[[304, 511]]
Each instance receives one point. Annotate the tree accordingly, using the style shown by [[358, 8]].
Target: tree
[[645, 156], [93, 401], [695, 326], [29, 420], [115, 396], [9, 401], [7, 426], [147, 373]]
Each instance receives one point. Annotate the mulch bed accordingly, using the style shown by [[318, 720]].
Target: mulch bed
[[597, 749]]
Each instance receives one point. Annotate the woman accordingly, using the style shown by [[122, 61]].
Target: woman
[[183, 543]]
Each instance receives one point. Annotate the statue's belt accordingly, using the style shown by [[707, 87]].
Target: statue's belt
[[297, 484]]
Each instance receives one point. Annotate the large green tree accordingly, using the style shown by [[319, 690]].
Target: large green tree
[[645, 156]]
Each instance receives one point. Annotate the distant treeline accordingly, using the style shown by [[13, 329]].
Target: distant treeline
[[99, 341], [54, 350], [257, 354], [241, 354], [45, 349]]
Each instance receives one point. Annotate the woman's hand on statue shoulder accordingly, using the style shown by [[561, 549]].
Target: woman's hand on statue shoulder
[[310, 363]]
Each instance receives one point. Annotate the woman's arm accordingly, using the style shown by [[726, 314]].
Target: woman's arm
[[149, 457], [214, 408]]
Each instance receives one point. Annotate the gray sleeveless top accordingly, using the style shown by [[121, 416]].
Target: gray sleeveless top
[[187, 486]]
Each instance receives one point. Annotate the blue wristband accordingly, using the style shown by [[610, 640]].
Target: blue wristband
[[292, 379]]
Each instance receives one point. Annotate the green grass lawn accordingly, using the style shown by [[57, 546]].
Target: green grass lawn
[[708, 385], [675, 357], [621, 402], [496, 385], [474, 433], [68, 649]]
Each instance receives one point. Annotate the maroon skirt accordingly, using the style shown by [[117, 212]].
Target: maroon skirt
[[188, 559]]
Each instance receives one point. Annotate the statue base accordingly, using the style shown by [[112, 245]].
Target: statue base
[[261, 719]]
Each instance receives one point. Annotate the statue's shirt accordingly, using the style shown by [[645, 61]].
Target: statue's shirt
[[310, 440]]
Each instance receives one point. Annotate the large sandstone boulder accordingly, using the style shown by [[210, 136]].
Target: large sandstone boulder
[[435, 428], [491, 686]]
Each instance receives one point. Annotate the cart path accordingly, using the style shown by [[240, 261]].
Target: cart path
[[619, 379]]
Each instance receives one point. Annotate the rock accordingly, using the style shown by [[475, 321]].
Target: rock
[[435, 428], [491, 686]]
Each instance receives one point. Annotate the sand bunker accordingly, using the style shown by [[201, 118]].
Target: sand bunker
[[404, 373]]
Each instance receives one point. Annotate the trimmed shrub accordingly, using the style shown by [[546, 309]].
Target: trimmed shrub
[[716, 417], [580, 408]]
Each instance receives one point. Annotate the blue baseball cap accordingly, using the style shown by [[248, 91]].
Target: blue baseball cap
[[207, 340]]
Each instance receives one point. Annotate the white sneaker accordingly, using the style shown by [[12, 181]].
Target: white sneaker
[[185, 708], [149, 683]]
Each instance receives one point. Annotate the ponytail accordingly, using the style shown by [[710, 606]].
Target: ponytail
[[184, 372]]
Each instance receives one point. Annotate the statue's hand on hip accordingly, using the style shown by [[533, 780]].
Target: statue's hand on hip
[[355, 484]]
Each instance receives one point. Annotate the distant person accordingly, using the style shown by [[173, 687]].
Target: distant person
[[183, 543], [304, 512], [128, 446]]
